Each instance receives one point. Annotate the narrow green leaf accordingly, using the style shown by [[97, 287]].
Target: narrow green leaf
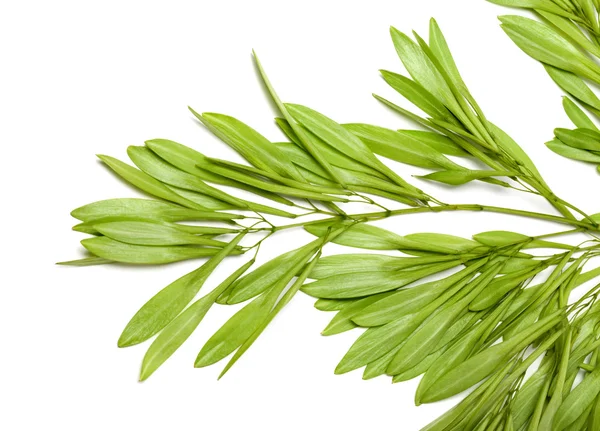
[[418, 96], [402, 148], [577, 401], [577, 116], [140, 254], [188, 160], [545, 44], [145, 182], [163, 307], [500, 238], [287, 297], [342, 140], [303, 138], [436, 141], [180, 328], [351, 263], [149, 209], [243, 324], [457, 178], [251, 145], [484, 363], [368, 283], [424, 340], [572, 153], [411, 300], [87, 261], [153, 165], [573, 85], [343, 319], [266, 275], [584, 139], [152, 233]]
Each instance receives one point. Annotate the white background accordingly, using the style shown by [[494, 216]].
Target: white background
[[80, 78]]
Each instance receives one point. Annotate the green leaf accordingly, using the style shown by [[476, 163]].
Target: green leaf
[[351, 263], [422, 70], [436, 141], [571, 29], [572, 153], [584, 139], [424, 340], [140, 254], [545, 44], [240, 328], [355, 285], [362, 235], [484, 363], [343, 319], [253, 181], [295, 130], [149, 209], [152, 233], [332, 304], [250, 144], [342, 140], [412, 299], [287, 297], [145, 182], [166, 173], [266, 275], [573, 85], [163, 307], [577, 401], [440, 241], [376, 342], [500, 238], [188, 160], [180, 328], [87, 261], [543, 5], [457, 178], [418, 96], [577, 116], [402, 148]]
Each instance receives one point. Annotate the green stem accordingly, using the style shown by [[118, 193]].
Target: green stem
[[447, 208]]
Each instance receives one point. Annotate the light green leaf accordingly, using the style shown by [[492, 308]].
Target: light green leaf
[[351, 263], [149, 209], [402, 148], [572, 153], [342, 140], [436, 141], [573, 85], [166, 173], [249, 143], [145, 182], [343, 319], [163, 307], [418, 96], [412, 299], [500, 238], [457, 178], [266, 275], [577, 116], [180, 328], [543, 5], [140, 254], [577, 401], [152, 233], [584, 139], [355, 285], [545, 44]]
